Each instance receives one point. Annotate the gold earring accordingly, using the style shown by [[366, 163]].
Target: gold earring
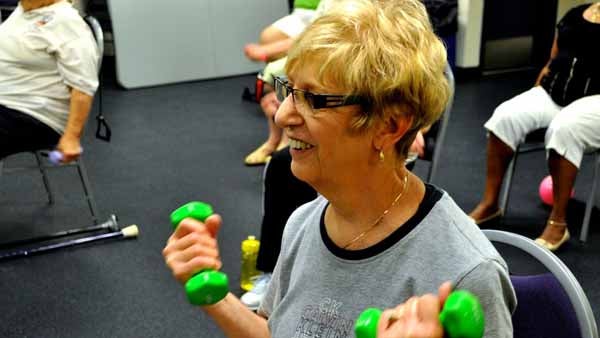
[[381, 156]]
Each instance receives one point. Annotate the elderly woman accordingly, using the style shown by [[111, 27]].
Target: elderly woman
[[48, 76], [566, 100], [362, 80]]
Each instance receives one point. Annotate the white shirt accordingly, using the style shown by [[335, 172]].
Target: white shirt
[[43, 52]]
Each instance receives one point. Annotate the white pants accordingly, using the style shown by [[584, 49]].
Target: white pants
[[294, 24], [572, 130]]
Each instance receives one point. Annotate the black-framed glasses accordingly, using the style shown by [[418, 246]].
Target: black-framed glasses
[[304, 98]]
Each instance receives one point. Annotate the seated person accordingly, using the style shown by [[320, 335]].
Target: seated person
[[276, 39], [48, 76], [376, 231], [566, 100], [269, 105]]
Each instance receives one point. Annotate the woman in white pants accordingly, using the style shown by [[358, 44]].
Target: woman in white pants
[[566, 100]]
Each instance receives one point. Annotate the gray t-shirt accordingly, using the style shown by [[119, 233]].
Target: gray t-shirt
[[319, 289]]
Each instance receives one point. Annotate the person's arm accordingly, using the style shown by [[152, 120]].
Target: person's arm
[[236, 320], [70, 142], [546, 69], [192, 248]]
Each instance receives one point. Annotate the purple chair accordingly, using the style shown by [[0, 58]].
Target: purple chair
[[550, 305], [541, 299]]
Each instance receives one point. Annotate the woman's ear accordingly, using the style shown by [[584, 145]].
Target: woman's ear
[[389, 132]]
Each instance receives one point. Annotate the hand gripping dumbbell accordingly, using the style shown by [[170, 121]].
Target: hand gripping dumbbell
[[461, 317], [207, 286], [56, 156]]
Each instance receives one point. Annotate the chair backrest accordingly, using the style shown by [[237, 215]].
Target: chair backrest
[[541, 299], [549, 305], [98, 35], [434, 139]]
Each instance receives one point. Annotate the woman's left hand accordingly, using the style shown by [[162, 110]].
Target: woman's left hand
[[70, 147], [418, 317]]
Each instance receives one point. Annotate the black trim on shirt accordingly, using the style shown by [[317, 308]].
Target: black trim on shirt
[[432, 196]]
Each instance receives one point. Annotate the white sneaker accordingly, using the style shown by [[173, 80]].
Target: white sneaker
[[253, 297]]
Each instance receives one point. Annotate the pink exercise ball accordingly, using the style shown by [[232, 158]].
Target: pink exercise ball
[[546, 191]]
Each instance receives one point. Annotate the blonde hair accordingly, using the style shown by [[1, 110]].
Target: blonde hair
[[383, 50]]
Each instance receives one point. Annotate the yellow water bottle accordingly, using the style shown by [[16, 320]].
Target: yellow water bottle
[[249, 254]]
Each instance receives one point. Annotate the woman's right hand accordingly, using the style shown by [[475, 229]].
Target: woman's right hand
[[418, 317], [193, 247]]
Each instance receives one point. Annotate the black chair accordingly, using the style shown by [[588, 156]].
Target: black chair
[[535, 142], [6, 7], [43, 165], [550, 304]]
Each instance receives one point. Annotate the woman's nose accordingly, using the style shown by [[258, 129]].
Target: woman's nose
[[287, 115]]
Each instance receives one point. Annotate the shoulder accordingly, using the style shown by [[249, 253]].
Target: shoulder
[[65, 20], [305, 214], [302, 218], [461, 236]]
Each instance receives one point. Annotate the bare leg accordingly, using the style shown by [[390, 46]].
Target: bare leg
[[499, 156], [268, 52], [262, 154], [271, 34], [563, 178]]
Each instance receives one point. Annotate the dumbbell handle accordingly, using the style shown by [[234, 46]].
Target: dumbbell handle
[[55, 156], [461, 317], [208, 286]]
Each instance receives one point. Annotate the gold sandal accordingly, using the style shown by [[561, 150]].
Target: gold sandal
[[260, 156], [554, 246], [492, 216]]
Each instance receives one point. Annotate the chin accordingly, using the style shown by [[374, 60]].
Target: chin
[[301, 172]]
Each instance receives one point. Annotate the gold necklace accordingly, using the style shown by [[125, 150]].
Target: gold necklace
[[380, 218]]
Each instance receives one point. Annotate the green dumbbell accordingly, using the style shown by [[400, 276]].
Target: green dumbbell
[[461, 317], [208, 286]]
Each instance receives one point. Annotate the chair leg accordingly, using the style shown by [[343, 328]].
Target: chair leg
[[590, 202], [87, 190], [43, 171], [508, 182], [1, 167]]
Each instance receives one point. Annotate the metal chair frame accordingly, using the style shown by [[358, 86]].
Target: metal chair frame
[[561, 272]]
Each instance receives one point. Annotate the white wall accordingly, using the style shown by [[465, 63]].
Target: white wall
[[159, 42], [468, 37]]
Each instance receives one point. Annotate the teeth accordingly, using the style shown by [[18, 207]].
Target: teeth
[[299, 145]]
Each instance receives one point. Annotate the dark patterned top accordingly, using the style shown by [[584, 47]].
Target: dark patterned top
[[575, 71]]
